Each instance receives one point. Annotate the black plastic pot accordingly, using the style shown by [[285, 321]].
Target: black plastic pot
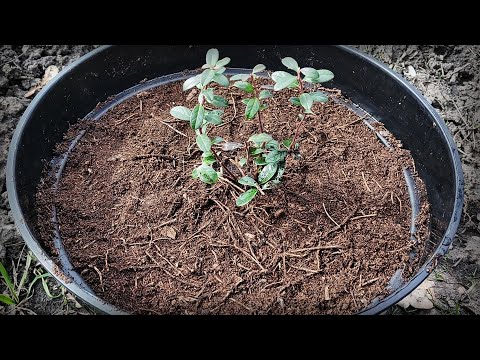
[[110, 70]]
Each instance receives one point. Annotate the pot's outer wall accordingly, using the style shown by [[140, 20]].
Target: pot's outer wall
[[110, 70]]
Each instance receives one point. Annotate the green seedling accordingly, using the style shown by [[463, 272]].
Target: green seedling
[[302, 76], [254, 102], [200, 118]]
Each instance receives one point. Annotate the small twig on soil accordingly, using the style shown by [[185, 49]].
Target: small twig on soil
[[326, 212], [365, 182], [199, 230], [123, 120], [166, 223], [351, 123], [324, 247], [363, 216], [171, 127], [148, 156], [230, 183], [369, 282], [234, 113], [100, 277]]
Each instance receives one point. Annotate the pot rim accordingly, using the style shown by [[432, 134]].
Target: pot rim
[[105, 307]]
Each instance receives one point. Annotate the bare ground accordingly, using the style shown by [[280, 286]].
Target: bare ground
[[448, 76]]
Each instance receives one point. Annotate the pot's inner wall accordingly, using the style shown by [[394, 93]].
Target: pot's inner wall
[[112, 70]]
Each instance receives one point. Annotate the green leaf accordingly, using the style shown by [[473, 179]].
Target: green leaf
[[258, 68], [319, 96], [208, 158], [247, 180], [204, 143], [287, 143], [272, 145], [217, 140], [207, 174], [242, 77], [263, 107], [260, 161], [246, 197], [242, 162], [245, 86], [219, 101], [282, 80], [208, 93], [213, 117], [295, 101], [252, 108], [8, 282], [181, 112], [207, 76], [222, 63], [221, 80], [267, 173], [212, 57], [220, 70], [265, 94], [255, 151], [277, 179], [197, 116], [191, 82], [195, 173], [306, 101], [324, 75], [6, 300], [275, 156], [290, 63], [245, 101], [309, 72], [260, 138]]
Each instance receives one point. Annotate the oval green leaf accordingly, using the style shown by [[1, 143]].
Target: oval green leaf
[[246, 197], [306, 101], [290, 63], [258, 68], [197, 116], [221, 80], [208, 158], [309, 72], [204, 143], [324, 75], [207, 76], [191, 82], [295, 101], [247, 180], [265, 94], [245, 86], [212, 57], [319, 96], [181, 112], [252, 108], [222, 63], [275, 156], [213, 117], [219, 101], [242, 162], [282, 80], [260, 138], [207, 174], [267, 173]]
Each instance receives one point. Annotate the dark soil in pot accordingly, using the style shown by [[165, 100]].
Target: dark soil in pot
[[150, 239]]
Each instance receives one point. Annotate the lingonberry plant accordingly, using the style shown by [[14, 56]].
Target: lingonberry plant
[[266, 155], [284, 80]]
